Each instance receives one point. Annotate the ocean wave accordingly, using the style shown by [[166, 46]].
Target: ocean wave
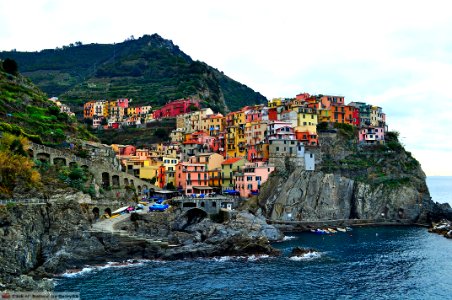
[[77, 272], [108, 265], [238, 258], [289, 237], [307, 256]]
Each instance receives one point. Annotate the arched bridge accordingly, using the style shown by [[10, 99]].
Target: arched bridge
[[104, 174]]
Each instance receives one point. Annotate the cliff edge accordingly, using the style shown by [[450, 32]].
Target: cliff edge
[[380, 183]]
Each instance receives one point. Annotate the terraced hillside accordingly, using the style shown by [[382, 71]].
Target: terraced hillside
[[150, 70]]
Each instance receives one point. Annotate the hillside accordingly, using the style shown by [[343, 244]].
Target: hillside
[[25, 110], [150, 70]]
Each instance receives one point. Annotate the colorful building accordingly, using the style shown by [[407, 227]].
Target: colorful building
[[371, 135], [177, 107], [192, 178], [250, 178], [228, 167]]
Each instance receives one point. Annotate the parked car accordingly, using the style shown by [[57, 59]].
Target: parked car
[[158, 207]]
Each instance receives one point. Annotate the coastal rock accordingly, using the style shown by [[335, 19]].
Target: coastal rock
[[443, 227], [313, 196], [298, 251]]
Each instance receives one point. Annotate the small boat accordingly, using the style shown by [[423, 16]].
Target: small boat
[[321, 231], [332, 230], [341, 229], [348, 228]]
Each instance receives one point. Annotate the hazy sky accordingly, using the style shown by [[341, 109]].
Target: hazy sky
[[395, 54]]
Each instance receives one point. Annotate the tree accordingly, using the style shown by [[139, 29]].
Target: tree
[[161, 134], [10, 66]]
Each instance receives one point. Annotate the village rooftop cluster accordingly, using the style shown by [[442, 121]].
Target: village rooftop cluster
[[235, 153]]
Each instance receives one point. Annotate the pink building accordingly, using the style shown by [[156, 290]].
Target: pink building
[[124, 103], [249, 179], [253, 115], [192, 178], [175, 108], [127, 150], [371, 135], [328, 101], [280, 130]]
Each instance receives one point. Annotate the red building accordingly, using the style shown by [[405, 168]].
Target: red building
[[352, 115], [175, 108]]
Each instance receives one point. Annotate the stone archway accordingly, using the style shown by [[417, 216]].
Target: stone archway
[[115, 180], [107, 211], [132, 183], [126, 181], [96, 213], [105, 180], [139, 189], [59, 161], [43, 157], [193, 216]]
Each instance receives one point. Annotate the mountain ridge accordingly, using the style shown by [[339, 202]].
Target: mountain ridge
[[151, 70]]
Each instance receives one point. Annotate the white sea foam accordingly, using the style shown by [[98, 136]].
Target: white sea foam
[[76, 273], [307, 256], [289, 237], [257, 257]]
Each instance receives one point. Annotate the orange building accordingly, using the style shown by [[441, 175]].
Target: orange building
[[88, 110]]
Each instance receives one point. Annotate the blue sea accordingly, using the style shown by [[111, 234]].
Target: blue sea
[[365, 263]]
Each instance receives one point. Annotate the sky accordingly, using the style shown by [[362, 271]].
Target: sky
[[394, 54]]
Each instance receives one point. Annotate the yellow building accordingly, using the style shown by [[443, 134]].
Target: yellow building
[[307, 119], [215, 178], [149, 169], [170, 169], [274, 102], [213, 124], [235, 138], [131, 111], [323, 115], [228, 167]]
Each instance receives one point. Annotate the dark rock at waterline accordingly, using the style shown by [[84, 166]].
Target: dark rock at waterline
[[41, 240], [298, 251], [444, 228]]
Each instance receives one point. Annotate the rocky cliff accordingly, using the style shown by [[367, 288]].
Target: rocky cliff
[[382, 183], [40, 240]]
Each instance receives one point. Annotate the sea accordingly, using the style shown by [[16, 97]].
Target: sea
[[392, 262]]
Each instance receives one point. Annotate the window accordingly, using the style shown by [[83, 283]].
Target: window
[[249, 178], [277, 148], [250, 186], [258, 178]]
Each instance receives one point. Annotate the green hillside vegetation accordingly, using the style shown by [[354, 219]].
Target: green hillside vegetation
[[155, 132], [26, 111], [16, 168], [150, 70], [389, 164]]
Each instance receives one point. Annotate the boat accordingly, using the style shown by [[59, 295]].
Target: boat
[[120, 210], [348, 228], [321, 231], [332, 230], [341, 229]]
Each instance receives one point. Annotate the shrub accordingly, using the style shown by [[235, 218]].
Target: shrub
[[10, 66]]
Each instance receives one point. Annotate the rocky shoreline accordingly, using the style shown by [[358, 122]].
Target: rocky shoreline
[[39, 241], [443, 227], [56, 237]]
